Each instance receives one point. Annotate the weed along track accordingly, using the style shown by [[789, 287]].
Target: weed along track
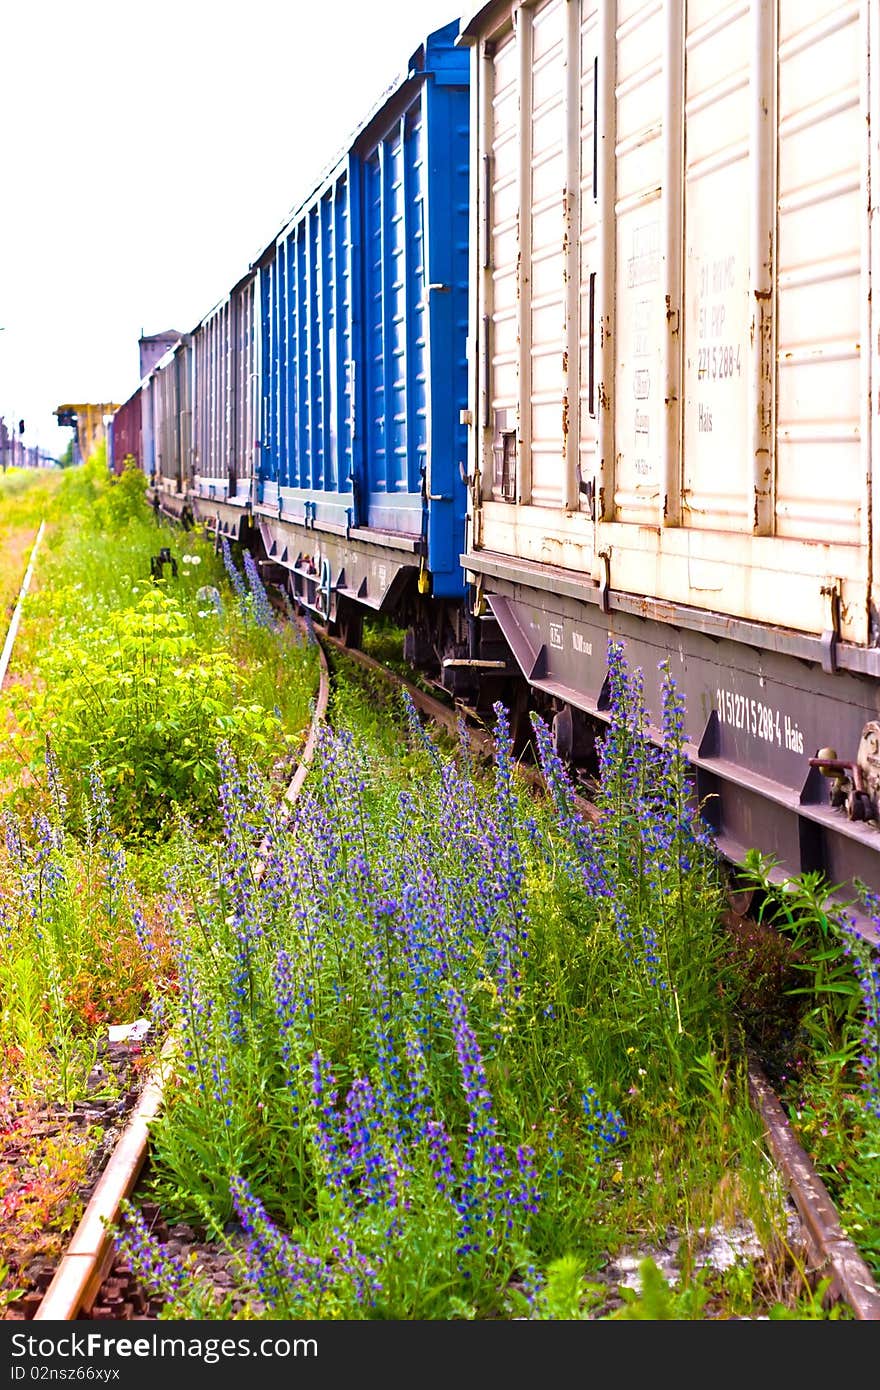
[[806, 1251], [79, 1283], [442, 1039], [85, 965], [831, 1255]]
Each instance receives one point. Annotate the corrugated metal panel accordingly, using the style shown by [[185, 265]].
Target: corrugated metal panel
[[306, 304], [171, 396], [148, 427], [243, 380], [717, 281], [541, 260], [588, 269], [640, 318], [501, 329], [546, 293], [363, 304], [445, 217], [820, 478], [183, 373], [224, 406], [395, 187], [721, 383], [267, 463]]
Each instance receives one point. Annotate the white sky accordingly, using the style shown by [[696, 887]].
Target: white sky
[[150, 150]]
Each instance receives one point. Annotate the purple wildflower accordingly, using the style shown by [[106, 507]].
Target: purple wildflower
[[232, 570], [162, 1273], [604, 1127], [866, 965], [262, 609]]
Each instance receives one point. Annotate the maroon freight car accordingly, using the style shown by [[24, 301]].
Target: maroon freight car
[[125, 433]]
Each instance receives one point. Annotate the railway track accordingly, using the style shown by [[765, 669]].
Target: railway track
[[85, 1265], [87, 1284], [12, 630]]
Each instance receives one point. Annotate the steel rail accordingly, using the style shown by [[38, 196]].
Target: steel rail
[[12, 630], [89, 1256], [831, 1251]]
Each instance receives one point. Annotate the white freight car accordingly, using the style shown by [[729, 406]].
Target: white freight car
[[673, 367]]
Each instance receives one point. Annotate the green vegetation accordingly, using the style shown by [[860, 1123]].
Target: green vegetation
[[27, 497], [824, 1045], [146, 676], [72, 962], [443, 1050], [121, 687]]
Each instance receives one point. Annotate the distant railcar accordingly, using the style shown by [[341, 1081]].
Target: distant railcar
[[225, 393], [166, 396], [124, 433]]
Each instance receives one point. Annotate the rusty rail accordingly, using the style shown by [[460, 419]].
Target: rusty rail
[[12, 630], [831, 1251]]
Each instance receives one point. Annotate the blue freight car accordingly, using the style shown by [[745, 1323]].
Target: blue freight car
[[363, 303]]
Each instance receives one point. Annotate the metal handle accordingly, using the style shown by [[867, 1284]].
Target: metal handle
[[487, 205], [487, 361], [591, 368]]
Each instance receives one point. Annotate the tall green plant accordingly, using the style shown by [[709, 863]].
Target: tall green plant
[[420, 1027], [71, 960]]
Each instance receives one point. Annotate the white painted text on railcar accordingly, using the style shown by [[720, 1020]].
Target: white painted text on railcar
[[760, 720]]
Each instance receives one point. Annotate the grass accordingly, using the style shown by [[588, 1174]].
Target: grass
[[824, 1048], [146, 677], [450, 1051], [27, 497], [120, 689]]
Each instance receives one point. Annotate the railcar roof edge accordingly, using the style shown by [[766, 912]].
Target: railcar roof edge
[[469, 32], [224, 298], [415, 68]]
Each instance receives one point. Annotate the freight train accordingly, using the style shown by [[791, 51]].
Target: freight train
[[575, 341]]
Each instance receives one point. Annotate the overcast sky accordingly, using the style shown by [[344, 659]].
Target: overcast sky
[[149, 152]]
